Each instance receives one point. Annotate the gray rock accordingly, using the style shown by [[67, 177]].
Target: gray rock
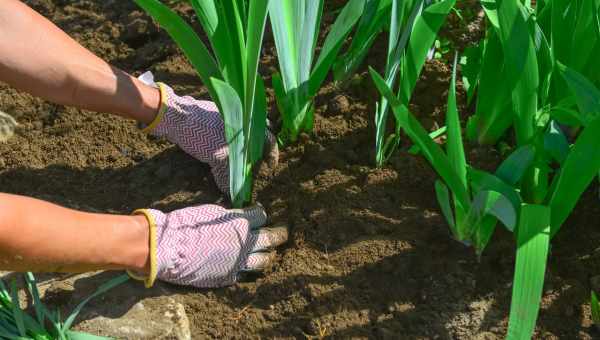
[[141, 322]]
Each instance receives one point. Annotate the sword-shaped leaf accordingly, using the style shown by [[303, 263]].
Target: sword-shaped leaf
[[532, 252]]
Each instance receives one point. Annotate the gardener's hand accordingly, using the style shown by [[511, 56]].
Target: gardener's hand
[[208, 246], [197, 127]]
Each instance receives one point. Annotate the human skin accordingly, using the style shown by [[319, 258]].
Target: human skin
[[39, 58], [40, 236]]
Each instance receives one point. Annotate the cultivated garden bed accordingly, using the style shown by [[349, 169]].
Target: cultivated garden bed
[[370, 254]]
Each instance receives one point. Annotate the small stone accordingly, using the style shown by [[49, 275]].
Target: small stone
[[383, 318], [404, 307], [181, 322], [138, 27]]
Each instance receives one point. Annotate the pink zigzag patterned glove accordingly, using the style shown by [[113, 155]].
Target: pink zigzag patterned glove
[[208, 246], [197, 127]]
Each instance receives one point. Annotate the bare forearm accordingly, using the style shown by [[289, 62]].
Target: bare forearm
[[39, 58], [39, 236]]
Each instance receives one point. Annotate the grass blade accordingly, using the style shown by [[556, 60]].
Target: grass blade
[[259, 123], [556, 143], [119, 280], [374, 18], [586, 94], [514, 167], [220, 27], [422, 38], [35, 294], [595, 305], [396, 45], [530, 268], [471, 64], [454, 145], [494, 113], [432, 152], [71, 335], [295, 27], [333, 43], [233, 117], [492, 203], [483, 181], [577, 173], [255, 107], [16, 309], [443, 197], [186, 39]]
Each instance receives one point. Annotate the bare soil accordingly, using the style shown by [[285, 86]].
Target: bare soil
[[370, 255]]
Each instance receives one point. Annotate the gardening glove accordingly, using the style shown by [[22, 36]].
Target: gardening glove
[[197, 127], [208, 246]]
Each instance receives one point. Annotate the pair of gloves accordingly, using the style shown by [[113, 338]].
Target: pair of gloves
[[205, 246]]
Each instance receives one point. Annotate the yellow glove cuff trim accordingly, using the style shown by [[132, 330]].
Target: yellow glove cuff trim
[[151, 278], [161, 111]]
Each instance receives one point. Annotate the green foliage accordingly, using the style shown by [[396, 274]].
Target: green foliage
[[235, 29], [537, 187], [515, 70], [375, 18], [296, 26], [533, 72], [471, 200], [442, 48], [533, 240], [17, 324], [413, 30], [582, 162], [595, 305]]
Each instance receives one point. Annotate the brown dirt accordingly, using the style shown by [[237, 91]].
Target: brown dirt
[[369, 257]]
